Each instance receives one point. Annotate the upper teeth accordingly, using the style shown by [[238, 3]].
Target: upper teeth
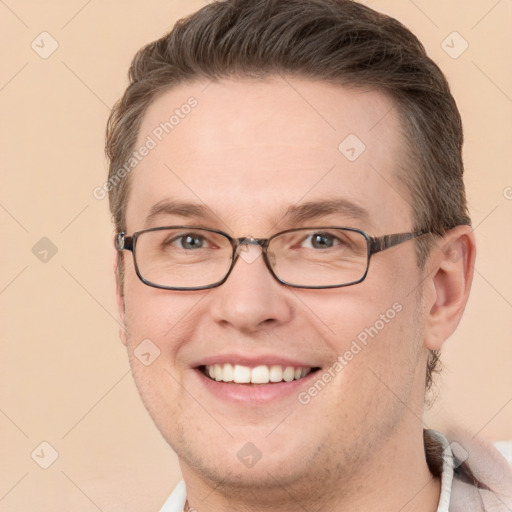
[[258, 375]]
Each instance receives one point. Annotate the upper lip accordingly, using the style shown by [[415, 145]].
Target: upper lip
[[253, 360]]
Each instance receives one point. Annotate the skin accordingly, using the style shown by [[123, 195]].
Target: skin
[[249, 150]]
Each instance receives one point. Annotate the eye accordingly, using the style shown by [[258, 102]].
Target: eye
[[187, 241], [321, 241]]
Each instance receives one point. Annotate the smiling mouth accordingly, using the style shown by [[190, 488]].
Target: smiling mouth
[[263, 374]]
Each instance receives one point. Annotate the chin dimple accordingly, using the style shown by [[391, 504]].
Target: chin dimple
[[262, 374]]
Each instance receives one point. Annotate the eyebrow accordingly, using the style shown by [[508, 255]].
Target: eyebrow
[[315, 209], [181, 208], [296, 214]]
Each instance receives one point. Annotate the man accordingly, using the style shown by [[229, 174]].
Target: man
[[288, 177]]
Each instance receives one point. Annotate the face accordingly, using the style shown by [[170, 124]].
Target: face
[[249, 154]]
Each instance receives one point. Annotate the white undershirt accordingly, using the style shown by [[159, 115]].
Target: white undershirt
[[446, 475], [176, 501]]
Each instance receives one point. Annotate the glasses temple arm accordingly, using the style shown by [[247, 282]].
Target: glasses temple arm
[[123, 242], [382, 243]]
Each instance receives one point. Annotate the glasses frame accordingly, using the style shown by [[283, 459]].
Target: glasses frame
[[374, 245]]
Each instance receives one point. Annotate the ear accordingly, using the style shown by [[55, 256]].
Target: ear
[[119, 276], [450, 274]]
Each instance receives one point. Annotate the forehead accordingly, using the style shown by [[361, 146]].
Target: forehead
[[247, 150]]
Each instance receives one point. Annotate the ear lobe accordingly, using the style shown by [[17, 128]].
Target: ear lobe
[[451, 273], [119, 276]]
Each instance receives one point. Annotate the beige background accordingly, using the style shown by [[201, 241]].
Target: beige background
[[64, 375]]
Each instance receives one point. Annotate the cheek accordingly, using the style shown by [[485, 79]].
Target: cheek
[[374, 334], [347, 314], [156, 327], [379, 369], [155, 314]]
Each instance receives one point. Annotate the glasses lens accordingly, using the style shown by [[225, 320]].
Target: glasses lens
[[319, 257], [182, 258]]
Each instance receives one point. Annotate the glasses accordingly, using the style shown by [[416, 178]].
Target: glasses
[[191, 258]]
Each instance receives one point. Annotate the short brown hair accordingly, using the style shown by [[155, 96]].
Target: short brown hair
[[337, 41]]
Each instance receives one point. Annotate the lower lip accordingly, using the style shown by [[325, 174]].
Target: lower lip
[[253, 393]]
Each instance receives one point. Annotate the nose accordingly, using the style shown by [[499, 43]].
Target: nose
[[251, 299]]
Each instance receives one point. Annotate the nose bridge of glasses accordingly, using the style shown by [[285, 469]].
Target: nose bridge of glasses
[[249, 240], [242, 248]]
